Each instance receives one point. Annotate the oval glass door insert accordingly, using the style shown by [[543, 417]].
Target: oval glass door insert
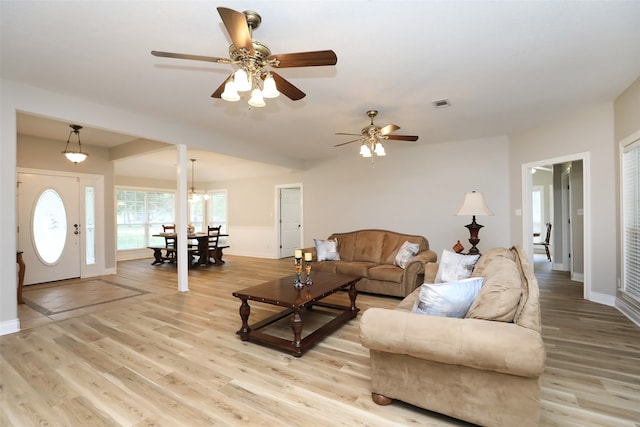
[[49, 226]]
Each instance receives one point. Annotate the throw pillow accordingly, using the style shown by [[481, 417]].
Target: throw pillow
[[327, 250], [453, 266], [499, 297], [407, 251], [450, 299]]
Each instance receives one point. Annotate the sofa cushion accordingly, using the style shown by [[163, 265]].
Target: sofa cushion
[[450, 299], [327, 250], [369, 245], [393, 242], [354, 268], [386, 272], [453, 266], [500, 293], [407, 251], [488, 257], [327, 266]]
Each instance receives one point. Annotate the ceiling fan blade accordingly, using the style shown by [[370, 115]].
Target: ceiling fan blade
[[236, 24], [218, 92], [343, 133], [193, 57], [388, 129], [345, 143], [286, 88], [402, 137], [305, 59]]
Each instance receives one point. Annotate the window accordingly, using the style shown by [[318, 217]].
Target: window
[[217, 209], [214, 209], [90, 228], [631, 219], [140, 214]]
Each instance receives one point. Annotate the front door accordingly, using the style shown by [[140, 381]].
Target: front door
[[49, 227]]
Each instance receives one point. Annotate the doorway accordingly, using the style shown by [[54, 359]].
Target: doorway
[[289, 219], [60, 220], [571, 230], [49, 227]]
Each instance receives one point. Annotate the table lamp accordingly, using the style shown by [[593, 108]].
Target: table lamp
[[473, 204]]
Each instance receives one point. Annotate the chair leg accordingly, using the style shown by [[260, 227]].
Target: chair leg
[[546, 248]]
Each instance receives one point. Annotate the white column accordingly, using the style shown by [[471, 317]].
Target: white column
[[181, 219]]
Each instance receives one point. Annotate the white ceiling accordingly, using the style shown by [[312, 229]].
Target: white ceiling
[[504, 66]]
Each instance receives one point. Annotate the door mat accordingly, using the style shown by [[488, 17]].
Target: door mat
[[75, 295]]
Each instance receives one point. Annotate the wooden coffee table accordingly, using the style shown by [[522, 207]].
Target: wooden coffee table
[[298, 302]]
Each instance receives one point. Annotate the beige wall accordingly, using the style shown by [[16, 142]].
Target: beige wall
[[415, 189], [627, 112], [589, 130], [627, 128]]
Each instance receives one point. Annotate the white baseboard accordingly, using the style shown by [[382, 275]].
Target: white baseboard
[[9, 326], [605, 299], [577, 277], [629, 310]]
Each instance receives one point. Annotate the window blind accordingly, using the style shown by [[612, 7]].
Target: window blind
[[631, 219]]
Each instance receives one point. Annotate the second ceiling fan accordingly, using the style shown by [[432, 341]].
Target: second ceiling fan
[[253, 59], [372, 135]]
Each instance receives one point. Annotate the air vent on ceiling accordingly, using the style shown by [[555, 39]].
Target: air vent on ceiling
[[441, 103]]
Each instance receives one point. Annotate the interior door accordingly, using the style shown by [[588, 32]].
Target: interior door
[[290, 223], [49, 227]]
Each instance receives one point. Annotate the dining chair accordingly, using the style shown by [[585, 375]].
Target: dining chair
[[170, 242], [546, 242], [214, 235]]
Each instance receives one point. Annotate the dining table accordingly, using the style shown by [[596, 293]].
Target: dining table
[[202, 246]]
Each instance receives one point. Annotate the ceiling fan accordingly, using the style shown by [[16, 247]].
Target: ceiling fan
[[253, 59], [372, 135]]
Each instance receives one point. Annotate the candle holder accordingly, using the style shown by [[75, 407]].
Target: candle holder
[[298, 283], [307, 267]]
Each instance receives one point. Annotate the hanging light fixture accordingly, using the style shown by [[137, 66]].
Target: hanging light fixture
[[75, 156], [194, 195]]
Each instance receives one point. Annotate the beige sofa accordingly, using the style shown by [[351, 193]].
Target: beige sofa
[[370, 254], [482, 371]]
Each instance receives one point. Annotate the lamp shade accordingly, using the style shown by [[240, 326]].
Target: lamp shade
[[241, 80], [230, 93], [365, 151], [269, 89], [256, 99], [473, 204], [75, 156]]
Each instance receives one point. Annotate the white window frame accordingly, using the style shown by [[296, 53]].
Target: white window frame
[[148, 231], [630, 195]]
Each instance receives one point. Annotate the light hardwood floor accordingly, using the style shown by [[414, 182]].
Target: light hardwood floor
[[154, 356]]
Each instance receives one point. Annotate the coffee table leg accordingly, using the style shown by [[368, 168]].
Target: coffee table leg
[[245, 310], [353, 293], [296, 326]]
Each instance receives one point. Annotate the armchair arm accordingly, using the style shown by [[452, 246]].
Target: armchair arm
[[480, 344], [414, 270]]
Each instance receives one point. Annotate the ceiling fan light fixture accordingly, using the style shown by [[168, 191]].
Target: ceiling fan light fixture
[[241, 80], [365, 151], [256, 99], [230, 93], [269, 89], [379, 150]]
